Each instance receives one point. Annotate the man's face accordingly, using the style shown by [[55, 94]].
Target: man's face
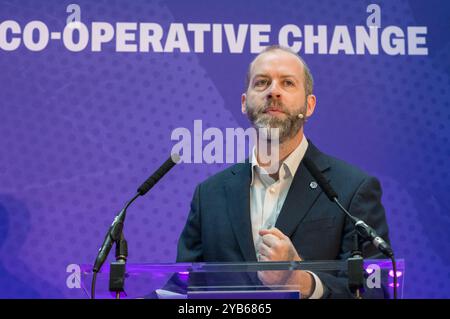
[[276, 93]]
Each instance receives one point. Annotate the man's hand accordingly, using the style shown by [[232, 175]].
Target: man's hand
[[276, 246]]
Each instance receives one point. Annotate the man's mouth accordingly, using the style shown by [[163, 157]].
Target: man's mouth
[[273, 111]]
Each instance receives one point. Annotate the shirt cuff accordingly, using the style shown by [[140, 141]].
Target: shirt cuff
[[318, 289]]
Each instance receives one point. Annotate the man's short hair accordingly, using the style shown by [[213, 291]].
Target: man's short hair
[[308, 78]]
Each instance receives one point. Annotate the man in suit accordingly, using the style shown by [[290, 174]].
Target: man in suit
[[249, 213]]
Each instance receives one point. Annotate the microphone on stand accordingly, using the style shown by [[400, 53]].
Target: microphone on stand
[[364, 230], [114, 234]]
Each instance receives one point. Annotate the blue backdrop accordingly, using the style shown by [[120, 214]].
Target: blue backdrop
[[79, 131]]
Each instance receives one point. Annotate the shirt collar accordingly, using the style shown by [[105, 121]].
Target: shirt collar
[[290, 164]]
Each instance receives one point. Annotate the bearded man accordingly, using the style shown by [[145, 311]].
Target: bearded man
[[249, 213]]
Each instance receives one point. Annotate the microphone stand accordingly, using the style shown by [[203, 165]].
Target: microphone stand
[[355, 262], [115, 236], [355, 265], [118, 268]]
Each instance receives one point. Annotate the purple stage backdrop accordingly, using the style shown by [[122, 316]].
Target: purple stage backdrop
[[87, 114]]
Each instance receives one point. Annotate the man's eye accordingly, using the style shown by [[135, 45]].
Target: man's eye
[[289, 83], [260, 83]]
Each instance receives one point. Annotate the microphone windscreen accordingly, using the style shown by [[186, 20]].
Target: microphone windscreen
[[160, 172]]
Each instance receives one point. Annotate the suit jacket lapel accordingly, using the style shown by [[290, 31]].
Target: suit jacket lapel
[[237, 189], [301, 196]]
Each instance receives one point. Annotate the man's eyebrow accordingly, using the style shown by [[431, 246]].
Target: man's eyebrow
[[262, 75], [289, 76]]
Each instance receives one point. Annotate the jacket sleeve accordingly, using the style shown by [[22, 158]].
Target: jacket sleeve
[[190, 242]]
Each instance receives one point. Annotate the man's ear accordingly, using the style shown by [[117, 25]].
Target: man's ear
[[243, 103], [310, 105]]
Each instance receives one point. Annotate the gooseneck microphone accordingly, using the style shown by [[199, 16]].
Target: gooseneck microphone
[[115, 230], [362, 228]]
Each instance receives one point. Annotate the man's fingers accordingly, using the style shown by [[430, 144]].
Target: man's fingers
[[264, 250], [273, 231], [270, 240]]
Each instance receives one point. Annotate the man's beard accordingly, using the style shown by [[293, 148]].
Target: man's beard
[[288, 127]]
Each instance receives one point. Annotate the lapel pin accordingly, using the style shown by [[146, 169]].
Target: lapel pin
[[313, 185]]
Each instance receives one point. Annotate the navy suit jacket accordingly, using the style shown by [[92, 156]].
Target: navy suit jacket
[[218, 227]]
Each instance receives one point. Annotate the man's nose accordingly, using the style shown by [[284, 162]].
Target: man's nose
[[274, 90]]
